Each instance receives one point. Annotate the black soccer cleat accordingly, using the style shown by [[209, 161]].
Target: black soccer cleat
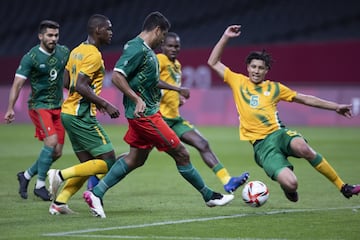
[[43, 193], [23, 185]]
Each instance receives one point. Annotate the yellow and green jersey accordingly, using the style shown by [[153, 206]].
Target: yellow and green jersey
[[257, 104], [170, 72], [85, 59]]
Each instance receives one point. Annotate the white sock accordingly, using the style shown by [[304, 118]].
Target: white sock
[[39, 184], [27, 175]]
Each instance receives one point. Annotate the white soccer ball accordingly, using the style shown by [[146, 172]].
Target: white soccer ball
[[255, 193]]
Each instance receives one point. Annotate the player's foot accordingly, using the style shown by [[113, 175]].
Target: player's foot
[[54, 181], [23, 185], [292, 196], [349, 190], [95, 204], [236, 182], [219, 199], [57, 209], [42, 193]]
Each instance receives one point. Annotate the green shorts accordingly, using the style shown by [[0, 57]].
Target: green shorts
[[179, 125], [272, 153], [86, 134]]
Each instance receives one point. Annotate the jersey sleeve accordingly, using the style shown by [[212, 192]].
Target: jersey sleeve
[[286, 94], [91, 65], [130, 60], [25, 66], [231, 78], [161, 58]]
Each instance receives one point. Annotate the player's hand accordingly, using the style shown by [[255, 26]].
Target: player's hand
[[232, 31], [182, 101], [9, 116], [184, 92], [345, 110], [139, 108], [112, 110]]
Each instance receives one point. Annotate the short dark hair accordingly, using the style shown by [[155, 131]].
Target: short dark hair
[[48, 24], [95, 21], [172, 34], [156, 19], [263, 55]]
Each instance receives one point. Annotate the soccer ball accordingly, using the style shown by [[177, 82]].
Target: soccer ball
[[255, 193]]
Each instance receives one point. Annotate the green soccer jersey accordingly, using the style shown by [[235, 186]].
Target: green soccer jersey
[[45, 72], [140, 66]]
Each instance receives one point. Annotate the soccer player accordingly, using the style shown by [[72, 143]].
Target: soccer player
[[136, 74], [84, 75], [44, 66], [256, 99], [170, 72]]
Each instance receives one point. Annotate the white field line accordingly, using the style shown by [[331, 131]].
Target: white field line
[[80, 233]]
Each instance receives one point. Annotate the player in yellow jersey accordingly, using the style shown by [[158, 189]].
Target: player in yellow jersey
[[83, 77], [256, 100], [170, 72]]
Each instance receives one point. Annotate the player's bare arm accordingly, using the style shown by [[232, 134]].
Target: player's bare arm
[[121, 83], [214, 60], [185, 92], [66, 79], [309, 100], [83, 88], [13, 96]]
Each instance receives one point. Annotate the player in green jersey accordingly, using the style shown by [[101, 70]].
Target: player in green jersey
[[44, 66], [256, 100], [136, 74]]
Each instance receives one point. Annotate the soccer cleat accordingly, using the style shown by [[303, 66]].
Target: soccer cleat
[[293, 196], [54, 181], [57, 209], [95, 204], [349, 190], [219, 199], [42, 193], [236, 182], [23, 185]]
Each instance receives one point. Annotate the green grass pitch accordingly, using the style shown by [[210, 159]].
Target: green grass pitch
[[154, 202]]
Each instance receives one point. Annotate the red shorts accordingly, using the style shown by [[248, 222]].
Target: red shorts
[[47, 122], [149, 132]]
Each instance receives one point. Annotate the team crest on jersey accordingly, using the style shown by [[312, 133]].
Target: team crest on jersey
[[267, 93]]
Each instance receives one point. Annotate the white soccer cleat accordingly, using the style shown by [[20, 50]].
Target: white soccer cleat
[[95, 204], [218, 199], [54, 181], [56, 209]]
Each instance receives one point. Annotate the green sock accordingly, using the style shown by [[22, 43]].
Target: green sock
[[44, 162], [33, 170], [193, 177], [117, 172]]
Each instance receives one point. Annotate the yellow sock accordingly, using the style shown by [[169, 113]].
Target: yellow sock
[[221, 173], [328, 171], [88, 168], [71, 186]]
